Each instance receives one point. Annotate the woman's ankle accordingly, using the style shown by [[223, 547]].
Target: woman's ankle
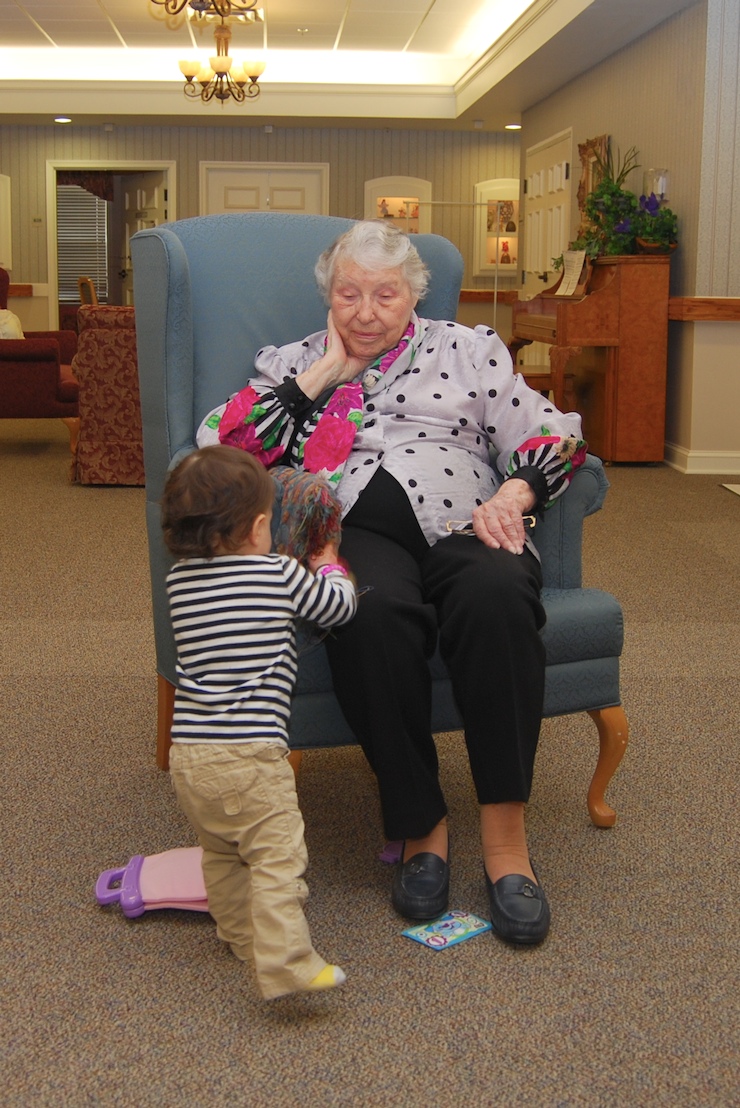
[[436, 842], [504, 840]]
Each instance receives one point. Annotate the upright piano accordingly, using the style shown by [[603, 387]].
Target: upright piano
[[608, 353]]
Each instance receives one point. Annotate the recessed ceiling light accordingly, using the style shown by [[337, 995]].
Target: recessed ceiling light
[[62, 119], [512, 127]]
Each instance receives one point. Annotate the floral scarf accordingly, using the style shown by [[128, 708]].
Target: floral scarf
[[329, 437]]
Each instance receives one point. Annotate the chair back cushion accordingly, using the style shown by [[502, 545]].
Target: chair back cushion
[[106, 317]]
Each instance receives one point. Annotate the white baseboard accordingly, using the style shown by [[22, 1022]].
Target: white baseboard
[[702, 461]]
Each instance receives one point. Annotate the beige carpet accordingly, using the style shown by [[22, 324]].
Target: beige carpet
[[633, 999]]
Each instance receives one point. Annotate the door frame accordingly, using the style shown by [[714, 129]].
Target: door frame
[[53, 165], [204, 169]]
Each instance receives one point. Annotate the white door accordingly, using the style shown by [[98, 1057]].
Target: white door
[[145, 205], [264, 187], [545, 221]]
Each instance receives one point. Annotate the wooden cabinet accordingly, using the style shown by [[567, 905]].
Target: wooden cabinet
[[608, 353]]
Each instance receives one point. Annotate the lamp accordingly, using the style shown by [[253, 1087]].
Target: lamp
[[223, 80]]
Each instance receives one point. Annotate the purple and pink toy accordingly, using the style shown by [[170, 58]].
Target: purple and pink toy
[[173, 879]]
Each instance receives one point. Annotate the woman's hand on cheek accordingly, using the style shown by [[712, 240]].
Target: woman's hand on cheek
[[499, 522], [347, 365]]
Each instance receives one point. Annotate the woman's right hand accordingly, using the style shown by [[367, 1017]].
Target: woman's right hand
[[334, 367], [344, 365]]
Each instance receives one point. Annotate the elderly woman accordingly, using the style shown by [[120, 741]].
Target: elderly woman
[[399, 414]]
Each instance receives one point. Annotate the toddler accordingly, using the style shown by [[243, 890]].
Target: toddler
[[233, 605]]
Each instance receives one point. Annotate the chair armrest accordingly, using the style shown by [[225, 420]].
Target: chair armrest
[[44, 348], [559, 533], [66, 340]]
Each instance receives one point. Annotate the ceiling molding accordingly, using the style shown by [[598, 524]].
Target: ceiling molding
[[156, 98]]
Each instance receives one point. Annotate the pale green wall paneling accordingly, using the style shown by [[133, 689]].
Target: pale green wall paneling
[[452, 160]]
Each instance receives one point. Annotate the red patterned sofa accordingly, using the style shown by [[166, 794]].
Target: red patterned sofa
[[110, 449]]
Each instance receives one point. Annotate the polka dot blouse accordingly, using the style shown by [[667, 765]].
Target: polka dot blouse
[[433, 423]]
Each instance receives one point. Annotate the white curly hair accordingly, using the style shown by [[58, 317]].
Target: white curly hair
[[373, 244]]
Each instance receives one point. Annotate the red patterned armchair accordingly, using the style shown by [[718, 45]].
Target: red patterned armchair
[[110, 449], [36, 381]]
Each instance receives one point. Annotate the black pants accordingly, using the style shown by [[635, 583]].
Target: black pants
[[484, 607]]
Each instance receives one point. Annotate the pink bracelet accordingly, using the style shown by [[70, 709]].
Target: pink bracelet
[[323, 570]]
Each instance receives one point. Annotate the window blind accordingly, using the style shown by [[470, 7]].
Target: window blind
[[82, 242]]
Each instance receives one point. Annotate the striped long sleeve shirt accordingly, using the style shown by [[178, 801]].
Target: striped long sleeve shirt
[[234, 623]]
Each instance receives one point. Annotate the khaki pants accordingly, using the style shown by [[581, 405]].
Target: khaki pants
[[241, 801]]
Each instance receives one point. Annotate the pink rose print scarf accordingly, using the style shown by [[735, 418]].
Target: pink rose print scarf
[[329, 437]]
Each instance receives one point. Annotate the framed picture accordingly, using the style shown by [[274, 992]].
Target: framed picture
[[591, 152]]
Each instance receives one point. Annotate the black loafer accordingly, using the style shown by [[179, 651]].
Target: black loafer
[[421, 887], [519, 909]]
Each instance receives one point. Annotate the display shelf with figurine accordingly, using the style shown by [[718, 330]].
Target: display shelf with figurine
[[497, 227], [402, 210]]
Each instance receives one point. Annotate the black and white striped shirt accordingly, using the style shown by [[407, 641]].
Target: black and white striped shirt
[[234, 623]]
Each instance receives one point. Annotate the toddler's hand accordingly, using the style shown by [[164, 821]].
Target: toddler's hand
[[328, 555]]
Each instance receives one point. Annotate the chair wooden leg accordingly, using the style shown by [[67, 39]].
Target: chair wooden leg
[[73, 426], [613, 731], [165, 710], [295, 758]]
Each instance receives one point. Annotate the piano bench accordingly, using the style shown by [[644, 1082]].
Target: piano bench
[[539, 378]]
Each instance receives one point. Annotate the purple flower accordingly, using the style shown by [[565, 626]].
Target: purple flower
[[624, 226], [650, 204]]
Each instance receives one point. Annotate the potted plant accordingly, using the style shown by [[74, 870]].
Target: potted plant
[[615, 222], [656, 227]]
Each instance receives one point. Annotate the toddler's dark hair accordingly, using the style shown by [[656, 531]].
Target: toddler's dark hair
[[211, 500]]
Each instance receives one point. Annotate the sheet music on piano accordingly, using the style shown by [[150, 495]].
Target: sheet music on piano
[[572, 267]]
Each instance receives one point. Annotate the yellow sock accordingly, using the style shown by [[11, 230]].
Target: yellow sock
[[329, 978]]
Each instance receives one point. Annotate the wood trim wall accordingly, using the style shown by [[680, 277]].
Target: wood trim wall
[[710, 309]]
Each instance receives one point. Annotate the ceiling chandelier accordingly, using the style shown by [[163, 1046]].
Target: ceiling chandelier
[[223, 80], [224, 8]]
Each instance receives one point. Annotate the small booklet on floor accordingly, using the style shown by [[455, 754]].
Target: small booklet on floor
[[453, 927]]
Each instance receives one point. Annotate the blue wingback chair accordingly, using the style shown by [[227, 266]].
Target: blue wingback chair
[[209, 292]]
